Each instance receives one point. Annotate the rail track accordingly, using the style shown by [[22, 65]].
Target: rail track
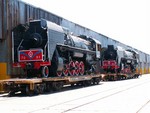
[[114, 90], [108, 90], [143, 106]]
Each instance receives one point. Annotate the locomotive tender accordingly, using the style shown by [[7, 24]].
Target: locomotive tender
[[45, 49]]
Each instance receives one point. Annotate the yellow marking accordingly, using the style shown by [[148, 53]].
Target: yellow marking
[[3, 73], [32, 86], [144, 70], [137, 70], [141, 71], [3, 68]]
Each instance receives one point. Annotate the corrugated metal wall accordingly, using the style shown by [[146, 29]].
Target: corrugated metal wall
[[3, 22], [13, 12], [0, 20]]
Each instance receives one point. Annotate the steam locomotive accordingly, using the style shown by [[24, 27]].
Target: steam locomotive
[[44, 49], [119, 60]]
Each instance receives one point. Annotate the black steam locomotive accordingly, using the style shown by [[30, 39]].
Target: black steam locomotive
[[45, 49], [119, 60]]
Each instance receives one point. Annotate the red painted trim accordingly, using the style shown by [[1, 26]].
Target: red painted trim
[[111, 64], [37, 65]]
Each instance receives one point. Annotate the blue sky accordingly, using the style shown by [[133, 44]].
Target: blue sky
[[127, 21]]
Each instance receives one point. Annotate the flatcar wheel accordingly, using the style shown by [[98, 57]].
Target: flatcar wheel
[[66, 70], [28, 91], [59, 73], [39, 88], [87, 82], [81, 68], [92, 82], [97, 80], [77, 66], [45, 71], [48, 87], [11, 93], [57, 86], [72, 68]]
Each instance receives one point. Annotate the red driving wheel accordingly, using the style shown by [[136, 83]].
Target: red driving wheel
[[81, 68], [72, 68], [59, 73], [77, 67], [66, 70]]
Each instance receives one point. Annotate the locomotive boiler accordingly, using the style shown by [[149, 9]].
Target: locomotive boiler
[[119, 60], [44, 49]]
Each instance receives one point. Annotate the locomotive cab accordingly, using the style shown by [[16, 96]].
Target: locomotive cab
[[94, 45], [97, 48]]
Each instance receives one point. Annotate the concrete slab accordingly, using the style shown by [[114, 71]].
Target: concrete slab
[[127, 96]]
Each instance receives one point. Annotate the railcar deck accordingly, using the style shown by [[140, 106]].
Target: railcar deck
[[39, 85], [119, 76]]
